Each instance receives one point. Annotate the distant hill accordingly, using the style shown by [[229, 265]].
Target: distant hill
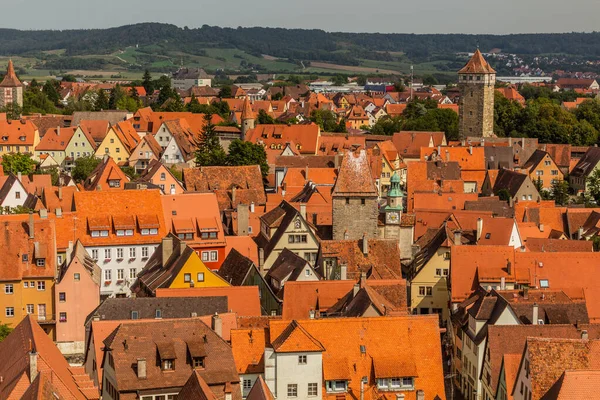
[[87, 49]]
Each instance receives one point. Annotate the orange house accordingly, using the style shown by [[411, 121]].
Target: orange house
[[541, 167]]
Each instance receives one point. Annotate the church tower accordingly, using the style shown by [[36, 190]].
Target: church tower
[[476, 82], [248, 117], [393, 210], [11, 88]]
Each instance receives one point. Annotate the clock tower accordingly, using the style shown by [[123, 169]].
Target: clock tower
[[394, 207]]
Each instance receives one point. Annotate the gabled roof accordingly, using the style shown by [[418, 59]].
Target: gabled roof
[[294, 339], [18, 133], [243, 300], [235, 268], [302, 297], [409, 143], [354, 178], [28, 337], [260, 391], [287, 264], [248, 347], [575, 385], [509, 180], [56, 139], [477, 65], [97, 129], [196, 388], [107, 170], [587, 163]]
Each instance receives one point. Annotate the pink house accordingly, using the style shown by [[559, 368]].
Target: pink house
[[77, 294], [161, 176]]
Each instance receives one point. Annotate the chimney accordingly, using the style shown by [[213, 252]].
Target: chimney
[[252, 207], [343, 272], [217, 324], [439, 151], [141, 368], [336, 161], [471, 150], [536, 313], [363, 279], [541, 227], [261, 258], [447, 156], [479, 228], [526, 293], [502, 283], [306, 173], [167, 248], [365, 245], [182, 246], [303, 210], [580, 233], [584, 334], [509, 267], [457, 238], [19, 176], [60, 191], [43, 213], [420, 395], [243, 219], [523, 248], [69, 251], [33, 365], [31, 226], [233, 190], [355, 290], [58, 212]]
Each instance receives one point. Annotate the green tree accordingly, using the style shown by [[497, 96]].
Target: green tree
[[247, 153], [13, 111], [361, 80], [116, 95], [593, 185], [209, 150], [387, 125], [507, 116], [147, 82], [128, 103], [560, 192], [326, 119], [225, 92], [18, 162], [5, 330], [50, 89], [264, 118], [52, 171], [177, 173], [101, 101], [429, 80], [130, 172], [339, 80], [84, 166], [35, 101]]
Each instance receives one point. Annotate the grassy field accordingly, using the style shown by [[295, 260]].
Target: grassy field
[[211, 59]]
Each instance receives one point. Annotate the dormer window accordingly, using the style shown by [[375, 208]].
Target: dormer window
[[22, 138], [5, 138], [336, 386], [40, 262], [391, 384], [168, 365], [100, 233], [152, 231], [198, 362], [114, 183]]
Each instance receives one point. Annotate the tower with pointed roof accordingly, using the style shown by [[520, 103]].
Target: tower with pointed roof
[[354, 199], [248, 117], [476, 82], [11, 88]]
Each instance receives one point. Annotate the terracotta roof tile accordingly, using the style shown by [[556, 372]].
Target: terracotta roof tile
[[477, 65], [243, 300]]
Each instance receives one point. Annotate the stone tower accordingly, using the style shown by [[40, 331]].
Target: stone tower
[[355, 208], [11, 88], [248, 117], [476, 108]]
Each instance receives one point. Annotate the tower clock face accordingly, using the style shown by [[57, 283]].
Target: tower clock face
[[393, 217]]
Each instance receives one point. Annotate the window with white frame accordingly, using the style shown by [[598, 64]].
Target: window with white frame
[[120, 253], [40, 262], [120, 274], [313, 389], [95, 254], [132, 273], [292, 390], [107, 274], [205, 255], [302, 359], [247, 384], [29, 308], [398, 383], [107, 254], [9, 312], [213, 255], [8, 288], [41, 285], [132, 252], [144, 252], [200, 277], [336, 386]]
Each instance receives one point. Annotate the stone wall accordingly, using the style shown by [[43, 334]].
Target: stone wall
[[476, 109], [355, 218]]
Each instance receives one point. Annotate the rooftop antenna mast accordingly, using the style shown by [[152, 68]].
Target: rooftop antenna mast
[[412, 78]]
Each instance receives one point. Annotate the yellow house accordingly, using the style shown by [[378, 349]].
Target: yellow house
[[27, 285], [390, 163], [429, 274], [119, 142], [174, 265], [18, 137]]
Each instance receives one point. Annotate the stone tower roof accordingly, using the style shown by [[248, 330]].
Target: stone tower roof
[[247, 112], [477, 65], [10, 79], [355, 176]]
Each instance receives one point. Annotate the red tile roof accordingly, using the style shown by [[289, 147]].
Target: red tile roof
[[477, 65], [305, 137], [10, 79], [355, 178]]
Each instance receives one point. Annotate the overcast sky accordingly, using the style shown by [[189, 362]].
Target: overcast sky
[[399, 16]]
